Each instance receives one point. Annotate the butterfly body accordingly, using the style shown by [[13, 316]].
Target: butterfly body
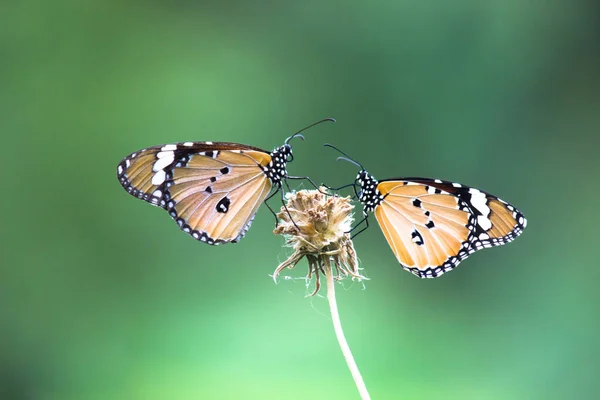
[[369, 195], [432, 225], [211, 189]]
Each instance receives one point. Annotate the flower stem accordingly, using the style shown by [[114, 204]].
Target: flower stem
[[337, 326]]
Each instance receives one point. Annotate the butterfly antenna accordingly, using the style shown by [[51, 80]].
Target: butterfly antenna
[[346, 158], [297, 134]]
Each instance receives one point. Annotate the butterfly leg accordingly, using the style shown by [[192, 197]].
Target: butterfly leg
[[288, 211], [344, 187], [287, 185], [366, 221], [270, 209], [357, 196], [284, 206], [306, 178], [339, 188]]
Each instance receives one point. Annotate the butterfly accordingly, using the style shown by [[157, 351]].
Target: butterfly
[[211, 189], [432, 225]]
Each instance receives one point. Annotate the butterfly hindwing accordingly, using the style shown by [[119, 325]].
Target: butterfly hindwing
[[432, 225], [212, 190], [428, 231]]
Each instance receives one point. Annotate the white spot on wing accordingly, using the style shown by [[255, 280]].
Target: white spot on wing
[[479, 201], [208, 143], [169, 147], [166, 153], [157, 193], [159, 178], [484, 222], [164, 158], [456, 185], [120, 169]]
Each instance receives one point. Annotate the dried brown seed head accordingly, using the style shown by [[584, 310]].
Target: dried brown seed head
[[316, 226]]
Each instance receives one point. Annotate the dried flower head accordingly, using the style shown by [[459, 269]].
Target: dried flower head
[[318, 230]]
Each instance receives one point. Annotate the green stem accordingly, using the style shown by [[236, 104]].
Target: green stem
[[337, 326]]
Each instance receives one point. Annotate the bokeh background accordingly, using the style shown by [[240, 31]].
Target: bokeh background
[[101, 295]]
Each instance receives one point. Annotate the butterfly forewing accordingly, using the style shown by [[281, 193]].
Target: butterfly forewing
[[135, 175], [497, 222], [212, 190]]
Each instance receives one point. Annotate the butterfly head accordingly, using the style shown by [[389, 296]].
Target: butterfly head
[[282, 155], [368, 194], [365, 185], [286, 150]]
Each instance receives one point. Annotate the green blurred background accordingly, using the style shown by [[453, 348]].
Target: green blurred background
[[101, 295]]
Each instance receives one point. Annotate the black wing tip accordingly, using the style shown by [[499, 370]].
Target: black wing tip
[[521, 221], [122, 167]]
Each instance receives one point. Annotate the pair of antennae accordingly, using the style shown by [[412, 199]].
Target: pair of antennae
[[346, 156], [297, 134]]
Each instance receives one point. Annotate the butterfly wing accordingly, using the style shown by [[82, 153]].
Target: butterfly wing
[[212, 190], [432, 225]]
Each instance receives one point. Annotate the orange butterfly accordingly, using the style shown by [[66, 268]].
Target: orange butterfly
[[211, 189], [432, 225]]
